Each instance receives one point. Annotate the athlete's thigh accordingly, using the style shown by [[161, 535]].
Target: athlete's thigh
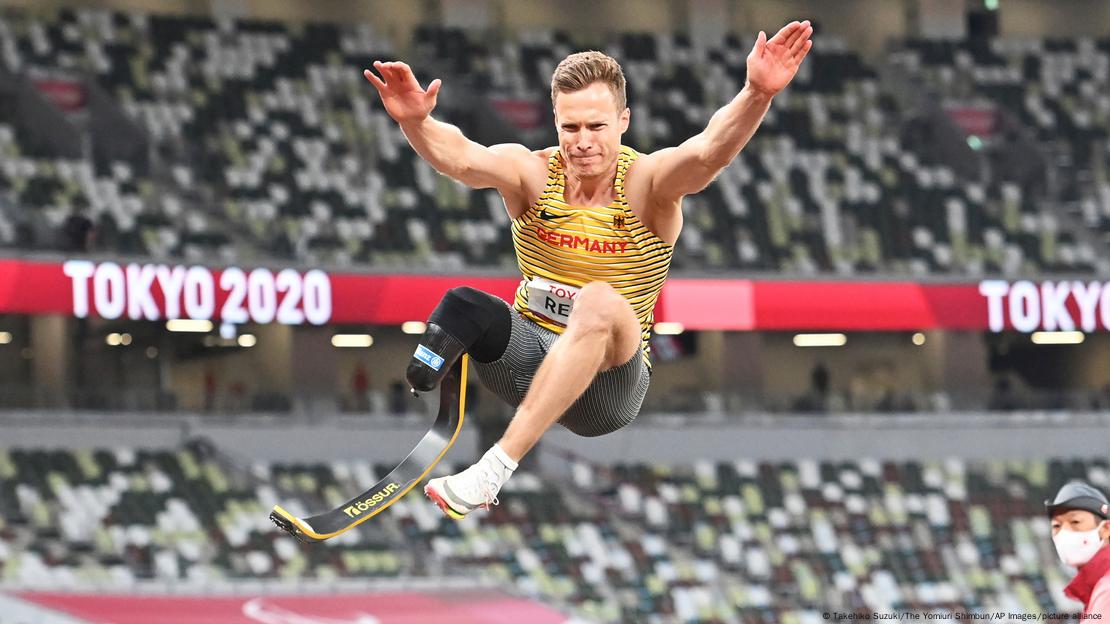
[[612, 400], [511, 375], [599, 307]]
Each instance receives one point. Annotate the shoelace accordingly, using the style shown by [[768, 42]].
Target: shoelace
[[487, 481]]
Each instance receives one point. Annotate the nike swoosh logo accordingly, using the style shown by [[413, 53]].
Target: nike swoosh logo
[[547, 216]]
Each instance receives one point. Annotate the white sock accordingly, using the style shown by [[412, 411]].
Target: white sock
[[502, 457]]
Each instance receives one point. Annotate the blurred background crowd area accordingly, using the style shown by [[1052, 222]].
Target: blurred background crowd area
[[907, 144], [629, 539], [929, 140]]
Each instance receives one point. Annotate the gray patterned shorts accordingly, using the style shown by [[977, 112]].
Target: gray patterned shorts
[[609, 403]]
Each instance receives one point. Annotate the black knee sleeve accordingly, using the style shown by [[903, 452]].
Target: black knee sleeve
[[466, 320]]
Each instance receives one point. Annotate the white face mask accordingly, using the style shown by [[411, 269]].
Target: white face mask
[[1076, 548]]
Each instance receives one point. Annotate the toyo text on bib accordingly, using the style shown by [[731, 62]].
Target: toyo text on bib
[[551, 300]]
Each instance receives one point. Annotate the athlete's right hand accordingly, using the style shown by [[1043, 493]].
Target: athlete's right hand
[[401, 94]]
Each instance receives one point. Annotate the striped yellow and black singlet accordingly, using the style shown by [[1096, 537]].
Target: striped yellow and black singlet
[[576, 245]]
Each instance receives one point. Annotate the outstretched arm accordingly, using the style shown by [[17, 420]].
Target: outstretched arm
[[690, 167], [442, 145]]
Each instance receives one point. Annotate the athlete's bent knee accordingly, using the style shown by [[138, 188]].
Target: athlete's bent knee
[[596, 294], [601, 313], [466, 320], [594, 324], [598, 302]]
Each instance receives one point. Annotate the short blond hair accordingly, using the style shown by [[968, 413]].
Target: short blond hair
[[582, 69]]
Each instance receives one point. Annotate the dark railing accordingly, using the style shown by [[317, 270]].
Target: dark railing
[[687, 401]]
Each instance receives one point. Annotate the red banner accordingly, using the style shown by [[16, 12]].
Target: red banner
[[975, 120], [68, 95], [476, 607], [876, 306], [522, 114], [260, 295]]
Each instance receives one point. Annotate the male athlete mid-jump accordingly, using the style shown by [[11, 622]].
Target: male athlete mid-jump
[[594, 224]]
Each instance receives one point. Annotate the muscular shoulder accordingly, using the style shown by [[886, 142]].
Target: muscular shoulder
[[544, 156], [647, 161], [639, 180], [531, 159], [642, 169], [521, 155], [537, 170], [660, 214], [532, 168]]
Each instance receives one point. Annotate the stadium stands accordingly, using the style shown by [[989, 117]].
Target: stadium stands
[[129, 215], [1057, 89], [293, 153], [826, 187], [709, 542], [278, 123]]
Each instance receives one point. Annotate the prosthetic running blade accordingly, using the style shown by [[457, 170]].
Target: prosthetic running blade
[[407, 474]]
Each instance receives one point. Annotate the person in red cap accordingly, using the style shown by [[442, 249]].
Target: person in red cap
[[1080, 517]]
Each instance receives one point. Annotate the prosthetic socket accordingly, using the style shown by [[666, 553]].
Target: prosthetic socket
[[466, 320]]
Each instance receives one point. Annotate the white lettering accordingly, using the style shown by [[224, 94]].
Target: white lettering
[[995, 291], [1025, 309], [200, 293], [140, 301], [1086, 296], [261, 296], [317, 297], [234, 282], [79, 272], [191, 292], [1054, 298], [289, 282], [109, 295], [1104, 308], [171, 281]]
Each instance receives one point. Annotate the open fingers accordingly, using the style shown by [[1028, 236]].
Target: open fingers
[[783, 35], [433, 87], [395, 75], [389, 73], [387, 79], [383, 69], [796, 35], [374, 80], [391, 77], [805, 50], [799, 39], [405, 76]]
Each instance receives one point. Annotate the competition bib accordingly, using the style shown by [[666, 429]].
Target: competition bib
[[551, 300]]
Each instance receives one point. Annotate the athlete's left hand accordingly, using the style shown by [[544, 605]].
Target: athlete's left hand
[[773, 62]]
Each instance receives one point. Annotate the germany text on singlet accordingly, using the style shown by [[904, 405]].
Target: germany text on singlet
[[560, 248]]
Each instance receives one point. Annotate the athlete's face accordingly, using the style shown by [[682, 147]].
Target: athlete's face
[[590, 128]]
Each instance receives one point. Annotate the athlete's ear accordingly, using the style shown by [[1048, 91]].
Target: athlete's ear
[[625, 117]]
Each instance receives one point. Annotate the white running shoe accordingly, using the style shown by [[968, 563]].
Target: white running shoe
[[474, 488]]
